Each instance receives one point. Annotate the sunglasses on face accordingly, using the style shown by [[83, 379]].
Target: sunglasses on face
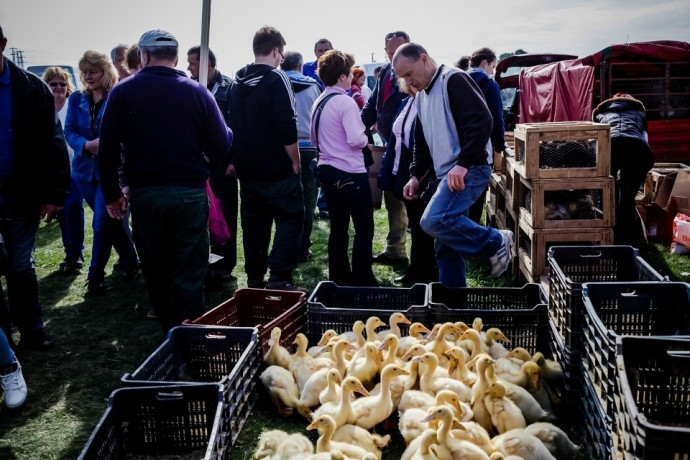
[[398, 33], [57, 83]]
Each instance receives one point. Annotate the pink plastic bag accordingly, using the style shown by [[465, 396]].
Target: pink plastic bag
[[217, 227]]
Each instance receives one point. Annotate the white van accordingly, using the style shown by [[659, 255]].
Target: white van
[[369, 72]]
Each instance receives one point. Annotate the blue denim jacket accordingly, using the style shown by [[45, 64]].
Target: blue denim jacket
[[78, 131]]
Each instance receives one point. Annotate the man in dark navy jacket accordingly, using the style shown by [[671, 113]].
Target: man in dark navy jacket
[[169, 130]]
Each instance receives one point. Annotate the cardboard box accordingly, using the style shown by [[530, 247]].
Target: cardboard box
[[673, 197]]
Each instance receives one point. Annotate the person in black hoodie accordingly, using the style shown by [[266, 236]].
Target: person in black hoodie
[[266, 159], [631, 158]]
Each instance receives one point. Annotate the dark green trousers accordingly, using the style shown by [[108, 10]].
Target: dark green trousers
[[170, 227]]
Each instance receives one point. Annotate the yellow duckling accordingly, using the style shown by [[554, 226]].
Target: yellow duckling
[[479, 389], [512, 362], [296, 445], [358, 436], [374, 409], [302, 364], [277, 355], [476, 434], [492, 338], [366, 367], [268, 444], [432, 384], [440, 344], [422, 451], [519, 443], [478, 346], [326, 337], [530, 407], [459, 366], [332, 391], [356, 335], [342, 411], [327, 426], [500, 456], [413, 338], [555, 439], [456, 448], [390, 343], [505, 414], [282, 388], [550, 369], [394, 321]]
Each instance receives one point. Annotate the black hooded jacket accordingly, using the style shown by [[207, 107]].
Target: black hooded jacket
[[625, 115], [264, 121]]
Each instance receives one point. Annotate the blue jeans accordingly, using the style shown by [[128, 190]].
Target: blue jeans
[[446, 219], [107, 232], [71, 220], [22, 306], [6, 353]]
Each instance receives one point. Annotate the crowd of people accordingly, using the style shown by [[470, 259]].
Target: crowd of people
[[143, 137]]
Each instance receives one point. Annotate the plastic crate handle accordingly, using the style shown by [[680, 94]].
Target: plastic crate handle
[[682, 354], [169, 396]]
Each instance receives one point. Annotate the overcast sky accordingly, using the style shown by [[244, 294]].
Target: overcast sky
[[58, 32]]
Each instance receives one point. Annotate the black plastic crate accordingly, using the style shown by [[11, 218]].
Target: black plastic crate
[[571, 363], [597, 427], [337, 307], [570, 266], [163, 420], [192, 354], [637, 308], [263, 309], [653, 401], [515, 311]]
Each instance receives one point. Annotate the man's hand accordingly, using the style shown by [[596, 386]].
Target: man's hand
[[117, 209], [230, 171], [411, 188], [297, 167], [92, 146], [456, 178], [49, 211]]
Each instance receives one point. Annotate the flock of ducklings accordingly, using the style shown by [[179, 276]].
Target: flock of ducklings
[[459, 393]]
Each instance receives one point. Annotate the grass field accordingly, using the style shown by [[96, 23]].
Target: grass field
[[99, 339]]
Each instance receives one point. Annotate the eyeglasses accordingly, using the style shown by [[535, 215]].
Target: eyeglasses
[[282, 58], [56, 83], [398, 33]]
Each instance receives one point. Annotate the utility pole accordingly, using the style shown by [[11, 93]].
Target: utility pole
[[17, 56]]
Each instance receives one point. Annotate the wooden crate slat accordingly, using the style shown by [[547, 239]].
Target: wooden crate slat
[[533, 244], [529, 137], [531, 199]]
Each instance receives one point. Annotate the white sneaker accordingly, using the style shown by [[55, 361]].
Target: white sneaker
[[14, 386], [501, 260]]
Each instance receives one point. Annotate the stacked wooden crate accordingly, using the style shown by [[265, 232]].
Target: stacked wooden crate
[[555, 190]]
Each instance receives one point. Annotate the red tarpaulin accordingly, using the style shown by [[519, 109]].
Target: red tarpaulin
[[563, 91]]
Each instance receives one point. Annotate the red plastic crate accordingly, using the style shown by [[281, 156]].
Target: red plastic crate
[[263, 309]]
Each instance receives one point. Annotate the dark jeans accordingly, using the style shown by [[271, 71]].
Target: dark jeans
[[170, 227], [226, 190], [310, 185], [634, 158], [22, 306], [349, 196], [422, 253], [262, 204], [71, 220]]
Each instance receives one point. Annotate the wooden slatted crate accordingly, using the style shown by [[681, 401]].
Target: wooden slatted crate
[[533, 245], [560, 150], [566, 203]]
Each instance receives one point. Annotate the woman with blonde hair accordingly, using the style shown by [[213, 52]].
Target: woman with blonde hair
[[71, 217], [82, 131]]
